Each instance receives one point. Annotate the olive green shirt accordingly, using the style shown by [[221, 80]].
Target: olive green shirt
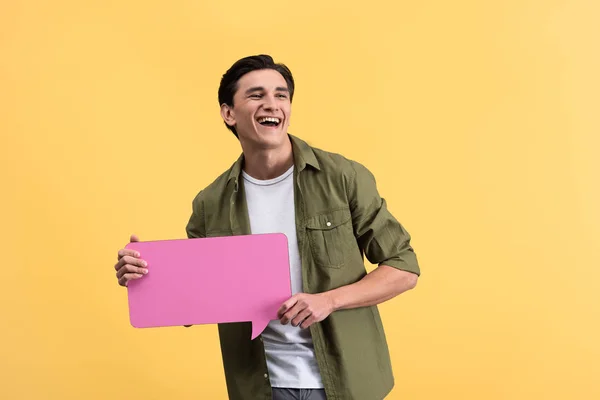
[[340, 218]]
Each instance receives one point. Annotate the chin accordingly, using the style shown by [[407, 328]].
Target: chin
[[272, 138]]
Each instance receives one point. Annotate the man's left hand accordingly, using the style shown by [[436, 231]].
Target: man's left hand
[[305, 309]]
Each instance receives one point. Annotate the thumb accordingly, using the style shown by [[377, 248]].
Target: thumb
[[134, 238]]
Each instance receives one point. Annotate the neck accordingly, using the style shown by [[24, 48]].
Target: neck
[[268, 163]]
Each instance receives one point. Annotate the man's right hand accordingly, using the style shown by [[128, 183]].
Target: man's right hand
[[129, 265]]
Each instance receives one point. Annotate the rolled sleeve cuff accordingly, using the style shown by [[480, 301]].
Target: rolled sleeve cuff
[[409, 263]]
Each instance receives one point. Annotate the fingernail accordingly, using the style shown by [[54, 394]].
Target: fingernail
[[144, 263], [145, 271], [137, 254]]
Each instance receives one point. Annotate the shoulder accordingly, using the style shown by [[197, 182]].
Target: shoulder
[[214, 192], [337, 164]]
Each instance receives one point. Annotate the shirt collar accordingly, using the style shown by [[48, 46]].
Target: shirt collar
[[303, 156]]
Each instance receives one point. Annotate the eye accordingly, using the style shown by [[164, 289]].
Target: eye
[[255, 96], [282, 96]]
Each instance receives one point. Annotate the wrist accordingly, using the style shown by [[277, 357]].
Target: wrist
[[332, 299]]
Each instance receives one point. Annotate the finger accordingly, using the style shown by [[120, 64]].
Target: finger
[[131, 269], [298, 319], [287, 305], [288, 315], [137, 262], [134, 238], [292, 312], [124, 280], [128, 260], [127, 252], [308, 322]]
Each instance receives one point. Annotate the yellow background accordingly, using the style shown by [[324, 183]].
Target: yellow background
[[479, 119]]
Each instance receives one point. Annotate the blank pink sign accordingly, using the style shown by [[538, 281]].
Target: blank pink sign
[[211, 280]]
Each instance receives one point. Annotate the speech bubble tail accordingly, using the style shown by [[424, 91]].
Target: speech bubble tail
[[258, 327]]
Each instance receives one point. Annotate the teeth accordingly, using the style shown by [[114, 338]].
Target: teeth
[[268, 119]]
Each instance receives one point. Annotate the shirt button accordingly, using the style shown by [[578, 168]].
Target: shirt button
[[328, 223], [266, 376]]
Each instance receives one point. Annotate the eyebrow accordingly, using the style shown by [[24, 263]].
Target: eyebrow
[[261, 89]]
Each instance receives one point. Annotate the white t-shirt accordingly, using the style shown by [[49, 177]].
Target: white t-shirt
[[289, 350]]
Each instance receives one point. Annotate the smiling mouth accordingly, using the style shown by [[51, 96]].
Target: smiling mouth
[[269, 121]]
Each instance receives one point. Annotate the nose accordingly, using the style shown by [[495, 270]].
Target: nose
[[270, 103]]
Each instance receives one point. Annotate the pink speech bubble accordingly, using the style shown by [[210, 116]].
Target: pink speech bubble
[[211, 280]]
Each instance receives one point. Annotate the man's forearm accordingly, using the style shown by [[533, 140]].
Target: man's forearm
[[381, 284]]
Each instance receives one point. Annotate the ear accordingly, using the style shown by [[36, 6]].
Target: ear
[[227, 114]]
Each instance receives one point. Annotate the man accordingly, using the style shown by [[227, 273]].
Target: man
[[329, 342]]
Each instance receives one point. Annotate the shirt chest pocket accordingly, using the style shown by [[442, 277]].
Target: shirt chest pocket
[[331, 237]]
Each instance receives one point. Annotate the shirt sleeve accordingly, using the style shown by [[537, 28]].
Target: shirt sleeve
[[382, 238], [196, 226]]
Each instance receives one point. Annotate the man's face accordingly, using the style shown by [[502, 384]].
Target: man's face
[[261, 109]]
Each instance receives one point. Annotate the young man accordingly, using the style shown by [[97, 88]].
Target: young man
[[329, 342]]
